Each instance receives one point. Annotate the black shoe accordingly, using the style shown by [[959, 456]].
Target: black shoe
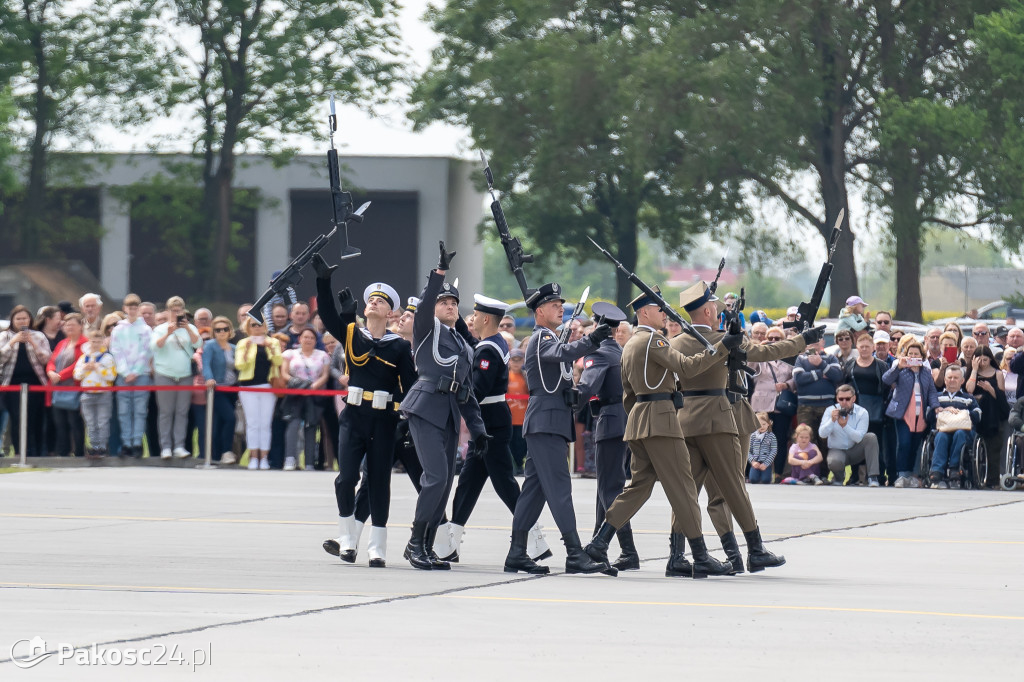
[[732, 552], [703, 563], [577, 561], [517, 560], [332, 547], [436, 563], [597, 549], [378, 563], [629, 558], [677, 565], [759, 558], [414, 551]]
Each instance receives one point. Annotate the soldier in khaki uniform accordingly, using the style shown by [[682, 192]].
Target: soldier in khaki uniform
[[649, 370], [709, 420]]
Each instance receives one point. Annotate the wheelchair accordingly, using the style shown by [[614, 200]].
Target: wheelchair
[[1014, 462], [973, 462]]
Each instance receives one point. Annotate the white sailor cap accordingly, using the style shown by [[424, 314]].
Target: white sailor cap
[[491, 306], [385, 291], [411, 304]]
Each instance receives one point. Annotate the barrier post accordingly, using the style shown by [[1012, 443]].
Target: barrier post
[[208, 436], [23, 427]]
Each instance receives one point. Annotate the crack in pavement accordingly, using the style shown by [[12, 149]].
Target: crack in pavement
[[499, 583]]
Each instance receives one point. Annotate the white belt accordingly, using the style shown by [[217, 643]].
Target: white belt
[[493, 399]]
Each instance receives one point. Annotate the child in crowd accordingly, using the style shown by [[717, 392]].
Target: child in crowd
[[804, 458], [761, 454], [94, 369]]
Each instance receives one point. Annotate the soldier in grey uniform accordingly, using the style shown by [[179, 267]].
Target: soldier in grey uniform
[[548, 428], [600, 389], [441, 396]]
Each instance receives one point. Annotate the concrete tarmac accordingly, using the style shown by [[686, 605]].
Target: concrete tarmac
[[225, 570]]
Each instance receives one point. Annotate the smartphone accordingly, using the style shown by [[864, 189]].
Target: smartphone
[[950, 354], [915, 362]]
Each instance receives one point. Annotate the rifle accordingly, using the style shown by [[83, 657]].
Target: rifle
[[807, 311], [721, 266], [665, 307], [513, 247], [341, 202], [291, 275]]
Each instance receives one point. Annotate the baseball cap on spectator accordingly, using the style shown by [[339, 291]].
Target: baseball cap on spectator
[[66, 307], [792, 310], [881, 337], [1001, 331], [760, 316], [855, 300], [517, 353]]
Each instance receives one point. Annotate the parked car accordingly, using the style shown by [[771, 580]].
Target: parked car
[[994, 314]]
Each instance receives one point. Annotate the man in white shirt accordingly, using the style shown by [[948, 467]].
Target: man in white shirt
[[845, 427]]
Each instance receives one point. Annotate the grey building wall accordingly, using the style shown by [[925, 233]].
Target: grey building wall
[[447, 207]]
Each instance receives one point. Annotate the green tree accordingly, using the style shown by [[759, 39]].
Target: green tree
[[568, 100], [8, 148], [259, 70], [73, 67]]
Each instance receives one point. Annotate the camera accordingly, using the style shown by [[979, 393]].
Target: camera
[[844, 411], [181, 320]]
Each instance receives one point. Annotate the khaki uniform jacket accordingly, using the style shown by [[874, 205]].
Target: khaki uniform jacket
[[650, 365], [704, 415]]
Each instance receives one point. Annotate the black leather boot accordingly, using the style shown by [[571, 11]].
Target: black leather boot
[[677, 565], [598, 547], [703, 563], [732, 552], [414, 551], [759, 558], [436, 564], [629, 559], [517, 559], [577, 561]]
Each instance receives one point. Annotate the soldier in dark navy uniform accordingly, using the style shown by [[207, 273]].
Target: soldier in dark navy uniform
[[548, 429], [602, 380], [441, 396], [380, 369]]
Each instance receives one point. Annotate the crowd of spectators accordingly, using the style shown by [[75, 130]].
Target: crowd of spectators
[[856, 413]]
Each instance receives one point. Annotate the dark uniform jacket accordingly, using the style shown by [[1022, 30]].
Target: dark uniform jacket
[[651, 365], [548, 369], [490, 380], [383, 364], [704, 415], [440, 351], [602, 377]]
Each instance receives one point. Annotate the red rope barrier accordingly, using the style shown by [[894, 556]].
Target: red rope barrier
[[221, 389]]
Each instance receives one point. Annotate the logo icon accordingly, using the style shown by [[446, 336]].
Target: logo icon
[[37, 653]]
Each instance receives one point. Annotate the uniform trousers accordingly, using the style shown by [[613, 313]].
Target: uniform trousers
[[665, 459], [369, 432], [719, 455], [718, 510], [610, 455], [547, 480], [405, 453], [436, 447], [495, 464]]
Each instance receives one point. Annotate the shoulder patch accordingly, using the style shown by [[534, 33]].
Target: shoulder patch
[[589, 362], [661, 344], [484, 364]]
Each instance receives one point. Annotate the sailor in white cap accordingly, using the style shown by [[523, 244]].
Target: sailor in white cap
[[380, 368]]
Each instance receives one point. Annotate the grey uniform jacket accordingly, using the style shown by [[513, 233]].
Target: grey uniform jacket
[[440, 352], [602, 377], [546, 358]]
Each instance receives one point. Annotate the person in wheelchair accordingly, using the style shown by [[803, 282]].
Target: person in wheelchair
[[1013, 467], [956, 419]]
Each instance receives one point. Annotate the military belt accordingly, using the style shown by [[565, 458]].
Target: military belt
[[709, 393], [651, 397]]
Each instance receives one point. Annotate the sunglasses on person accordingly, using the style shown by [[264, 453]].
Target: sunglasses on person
[[222, 329], [774, 338], [885, 323], [844, 398], [980, 333]]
